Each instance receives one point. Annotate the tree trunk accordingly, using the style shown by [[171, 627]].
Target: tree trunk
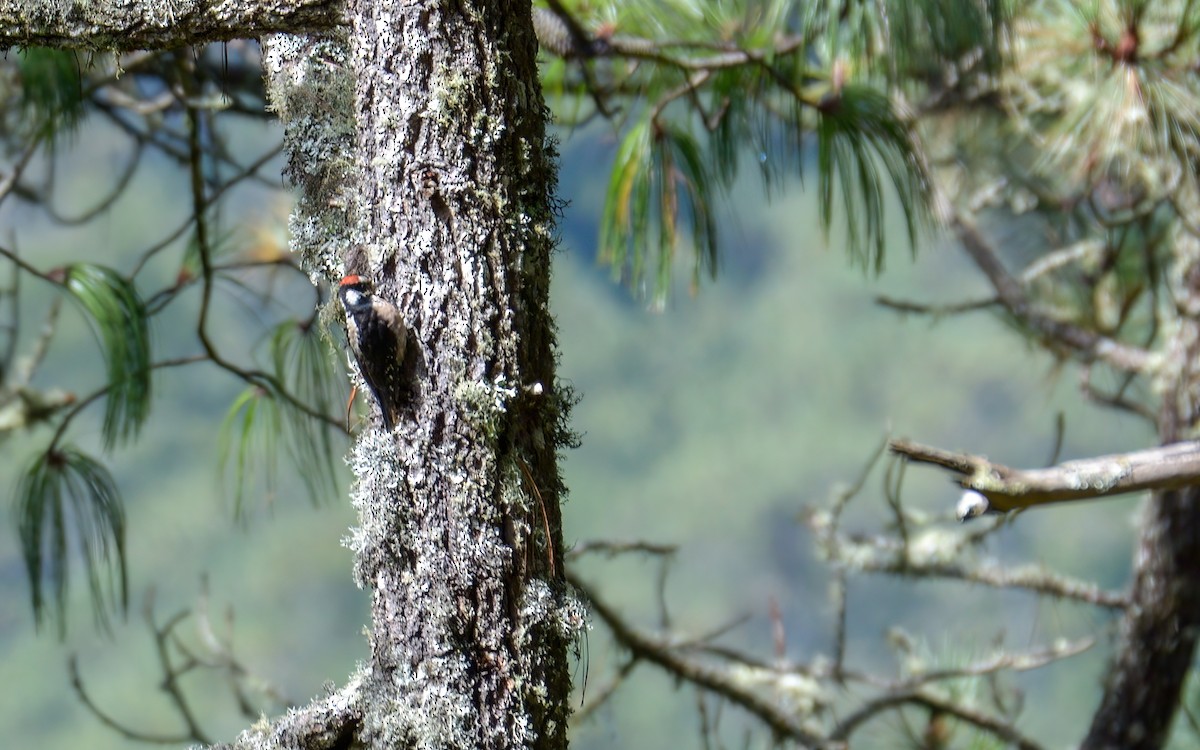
[[1158, 632], [460, 539]]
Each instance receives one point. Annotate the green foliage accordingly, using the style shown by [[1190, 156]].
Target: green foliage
[[659, 174], [65, 496], [119, 318], [303, 362], [250, 435], [909, 41], [1110, 87], [264, 420], [51, 89], [927, 37], [927, 33], [719, 83], [858, 134]]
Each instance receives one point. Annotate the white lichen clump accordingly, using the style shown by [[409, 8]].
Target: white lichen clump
[[484, 401]]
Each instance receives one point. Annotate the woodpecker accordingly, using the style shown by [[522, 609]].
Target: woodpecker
[[377, 336]]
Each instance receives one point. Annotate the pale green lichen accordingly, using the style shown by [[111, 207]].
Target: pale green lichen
[[513, 494], [310, 87], [484, 402]]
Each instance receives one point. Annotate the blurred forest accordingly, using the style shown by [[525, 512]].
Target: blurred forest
[[710, 424]]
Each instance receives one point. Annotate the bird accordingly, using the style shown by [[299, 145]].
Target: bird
[[378, 336]]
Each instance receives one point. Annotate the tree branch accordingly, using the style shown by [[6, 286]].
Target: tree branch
[[125, 731], [716, 680], [1002, 489], [997, 727], [157, 24], [876, 557], [935, 310], [1085, 343], [328, 723], [561, 33]]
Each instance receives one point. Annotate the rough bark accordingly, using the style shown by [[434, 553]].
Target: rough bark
[[156, 24], [460, 540]]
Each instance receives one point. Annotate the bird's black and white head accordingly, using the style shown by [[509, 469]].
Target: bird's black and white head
[[355, 293]]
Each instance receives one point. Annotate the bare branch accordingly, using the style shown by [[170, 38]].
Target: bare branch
[[1029, 577], [840, 600], [1084, 343], [1005, 661], [79, 404], [86, 699], [716, 680], [28, 268], [114, 193], [29, 364], [893, 701], [1117, 399], [612, 549], [940, 554], [9, 181], [937, 311], [171, 673], [1005, 489]]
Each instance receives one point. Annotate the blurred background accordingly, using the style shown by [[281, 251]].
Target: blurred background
[[710, 424]]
